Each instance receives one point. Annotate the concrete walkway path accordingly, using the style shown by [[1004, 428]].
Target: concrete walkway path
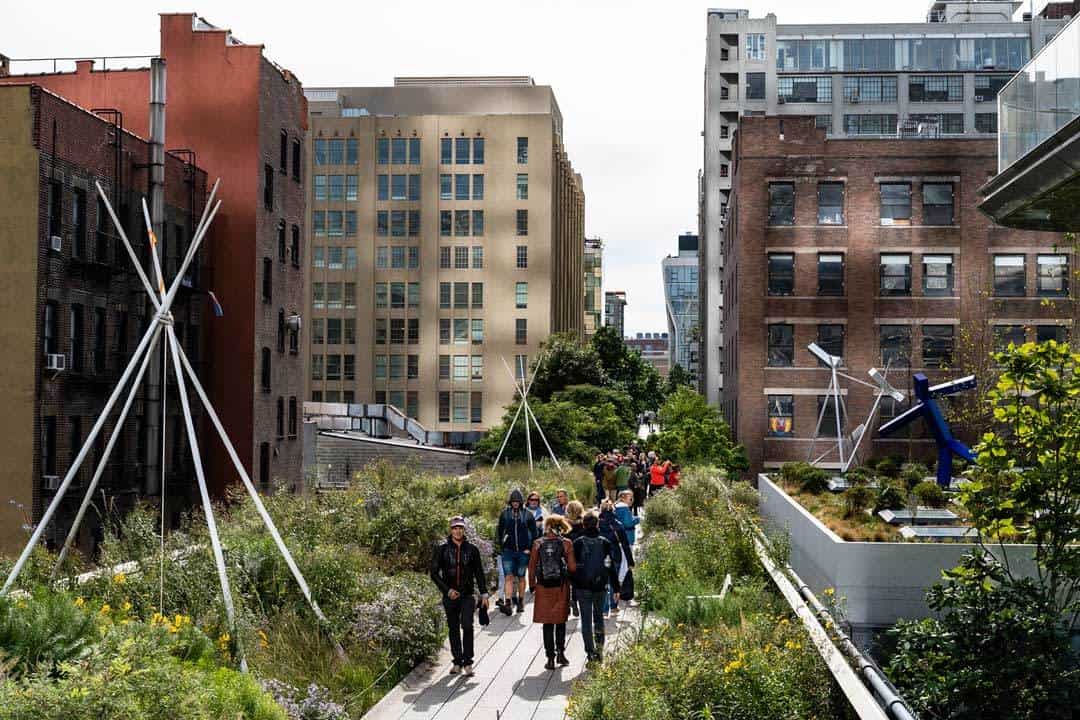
[[510, 682]]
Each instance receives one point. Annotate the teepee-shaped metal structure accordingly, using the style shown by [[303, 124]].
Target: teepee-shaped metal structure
[[161, 325]]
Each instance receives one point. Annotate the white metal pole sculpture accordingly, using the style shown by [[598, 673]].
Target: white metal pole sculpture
[[523, 390], [162, 301]]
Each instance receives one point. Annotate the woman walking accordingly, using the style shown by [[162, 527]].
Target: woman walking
[[612, 529], [551, 563], [575, 514]]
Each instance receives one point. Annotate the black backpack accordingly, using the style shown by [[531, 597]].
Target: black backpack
[[592, 570], [551, 566]]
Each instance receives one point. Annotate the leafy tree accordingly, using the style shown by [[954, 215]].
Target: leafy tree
[[626, 369], [692, 431], [589, 396], [566, 362], [1000, 648], [677, 377]]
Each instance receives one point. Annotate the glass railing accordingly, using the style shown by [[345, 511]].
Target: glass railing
[[1042, 98]]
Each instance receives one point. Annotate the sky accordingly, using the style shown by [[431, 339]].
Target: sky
[[628, 77]]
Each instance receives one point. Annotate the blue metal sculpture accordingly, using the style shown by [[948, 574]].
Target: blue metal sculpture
[[927, 409]]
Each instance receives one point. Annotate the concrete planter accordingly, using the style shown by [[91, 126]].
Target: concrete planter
[[881, 581]]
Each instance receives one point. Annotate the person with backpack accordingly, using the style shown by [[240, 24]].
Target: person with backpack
[[456, 569], [515, 534], [551, 564], [597, 568], [612, 529]]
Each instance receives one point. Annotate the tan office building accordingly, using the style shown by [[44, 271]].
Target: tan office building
[[445, 236]]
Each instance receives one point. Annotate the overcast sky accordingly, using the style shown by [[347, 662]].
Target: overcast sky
[[627, 75]]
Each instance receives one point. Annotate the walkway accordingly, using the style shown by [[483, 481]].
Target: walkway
[[510, 682]]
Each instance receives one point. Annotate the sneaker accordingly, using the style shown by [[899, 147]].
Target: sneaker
[[505, 608], [455, 669], [562, 659], [468, 670], [550, 664], [520, 605]]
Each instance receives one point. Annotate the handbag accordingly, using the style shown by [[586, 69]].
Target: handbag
[[483, 616], [626, 591]]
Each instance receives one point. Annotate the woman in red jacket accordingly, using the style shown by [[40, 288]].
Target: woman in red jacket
[[673, 477], [658, 476]]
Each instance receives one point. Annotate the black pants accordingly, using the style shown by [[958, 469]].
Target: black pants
[[554, 638], [459, 618], [591, 606]]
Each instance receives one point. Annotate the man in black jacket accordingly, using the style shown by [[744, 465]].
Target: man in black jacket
[[514, 536], [598, 563], [457, 571]]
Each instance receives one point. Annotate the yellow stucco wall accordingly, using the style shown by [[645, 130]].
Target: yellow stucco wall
[[18, 311]]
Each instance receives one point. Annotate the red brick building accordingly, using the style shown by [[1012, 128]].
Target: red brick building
[[245, 120], [74, 308], [874, 249]]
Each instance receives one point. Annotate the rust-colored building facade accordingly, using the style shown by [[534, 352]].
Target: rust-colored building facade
[[874, 249], [245, 121], [74, 308]]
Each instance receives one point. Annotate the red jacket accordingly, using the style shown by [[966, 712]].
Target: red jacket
[[658, 474], [673, 479]]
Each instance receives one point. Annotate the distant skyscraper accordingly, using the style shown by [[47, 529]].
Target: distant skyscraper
[[594, 276], [681, 301], [615, 310]]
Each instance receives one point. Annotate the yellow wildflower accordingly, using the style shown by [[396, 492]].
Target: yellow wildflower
[[264, 642], [732, 666], [119, 578], [126, 606], [79, 602], [792, 645], [830, 591], [105, 608]]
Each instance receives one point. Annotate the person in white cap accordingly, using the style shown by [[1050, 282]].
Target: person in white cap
[[458, 572]]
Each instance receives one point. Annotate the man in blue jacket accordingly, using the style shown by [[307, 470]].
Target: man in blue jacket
[[515, 535]]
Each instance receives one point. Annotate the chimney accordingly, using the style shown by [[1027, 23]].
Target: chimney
[[84, 67], [5, 65]]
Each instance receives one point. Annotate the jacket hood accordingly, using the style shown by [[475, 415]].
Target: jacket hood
[[516, 496]]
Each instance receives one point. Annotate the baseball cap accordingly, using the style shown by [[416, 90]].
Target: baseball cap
[[457, 521]]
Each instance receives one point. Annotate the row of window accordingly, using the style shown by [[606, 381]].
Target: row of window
[[395, 257], [895, 203], [281, 417], [283, 160], [338, 258], [464, 367], [925, 53], [461, 255], [406, 223], [337, 295], [341, 331], [459, 292], [406, 151], [882, 88], [398, 187], [395, 295], [461, 331], [335, 367]]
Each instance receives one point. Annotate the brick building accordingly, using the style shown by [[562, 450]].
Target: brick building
[[245, 120], [874, 249], [71, 300]]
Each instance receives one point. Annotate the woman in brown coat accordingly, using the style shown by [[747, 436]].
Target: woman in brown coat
[[551, 563]]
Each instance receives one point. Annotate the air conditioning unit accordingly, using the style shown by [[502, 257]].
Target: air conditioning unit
[[780, 100], [55, 361], [56, 243], [294, 322], [50, 482], [853, 99]]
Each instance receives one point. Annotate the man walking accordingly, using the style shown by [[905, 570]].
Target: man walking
[[598, 563], [562, 499], [457, 571], [515, 535]]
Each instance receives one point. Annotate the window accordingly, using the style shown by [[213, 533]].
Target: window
[[444, 331], [804, 89], [723, 132], [281, 241], [382, 223], [1005, 335], [397, 223], [477, 331], [522, 222], [397, 331], [444, 258], [333, 331], [461, 331], [334, 258], [986, 123], [830, 196], [382, 151], [48, 445], [803, 55], [895, 275], [280, 330], [382, 257], [382, 187], [831, 274], [781, 345], [826, 409], [412, 367], [830, 338], [461, 223], [937, 275], [937, 203], [294, 247], [522, 186], [461, 151], [477, 295], [265, 367], [380, 367], [318, 222], [78, 222], [397, 187], [444, 295], [280, 425], [461, 187], [397, 296], [461, 368], [478, 151], [521, 331], [940, 123], [895, 203], [477, 187], [895, 344], [349, 332], [461, 406], [352, 151], [352, 187], [987, 87], [335, 223], [318, 331], [446, 151], [296, 177], [414, 226], [382, 295], [478, 223], [292, 416], [284, 154], [461, 294], [380, 331], [1046, 333], [1053, 275], [446, 186], [521, 295], [521, 366], [268, 187], [781, 415], [446, 223], [869, 88], [755, 86], [522, 150], [724, 170], [99, 340], [522, 257], [268, 280], [318, 295], [868, 54], [414, 151], [781, 273], [397, 367], [876, 124], [1010, 276], [51, 329], [755, 46], [320, 151], [781, 203], [397, 151], [478, 257], [477, 403], [461, 258], [444, 406], [936, 88], [937, 345]]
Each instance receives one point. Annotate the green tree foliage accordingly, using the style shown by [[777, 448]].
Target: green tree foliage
[[566, 362], [678, 377], [692, 431], [588, 396], [627, 370], [1025, 489]]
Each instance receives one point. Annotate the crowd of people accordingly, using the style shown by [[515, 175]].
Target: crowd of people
[[572, 560]]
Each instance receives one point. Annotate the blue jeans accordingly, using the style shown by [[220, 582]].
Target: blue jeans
[[590, 605], [515, 564]]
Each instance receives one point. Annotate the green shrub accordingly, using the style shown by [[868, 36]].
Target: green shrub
[[890, 496], [805, 476], [859, 476], [913, 473], [45, 630], [856, 499], [889, 466], [930, 494], [664, 512]]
